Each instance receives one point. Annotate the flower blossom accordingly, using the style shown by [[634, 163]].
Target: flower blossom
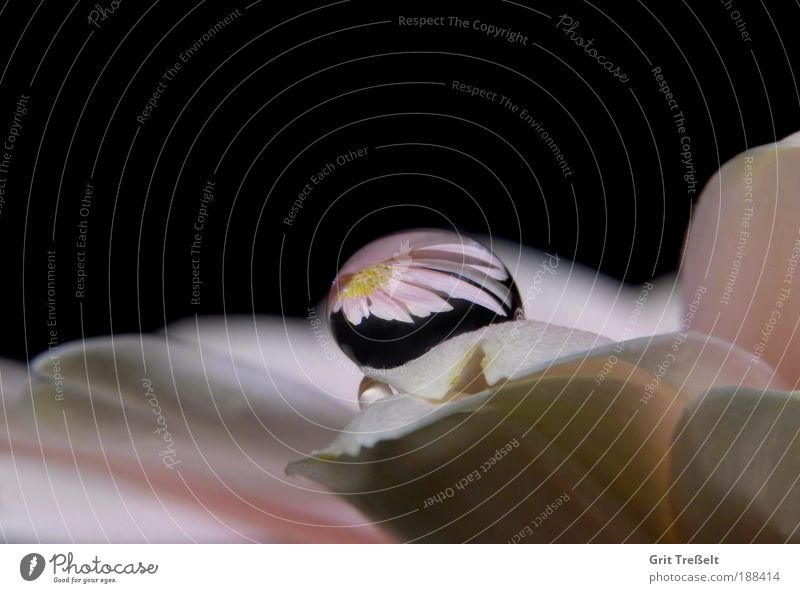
[[420, 278]]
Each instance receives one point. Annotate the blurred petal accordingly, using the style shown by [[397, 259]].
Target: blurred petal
[[743, 247], [588, 433], [562, 292], [49, 497], [150, 427], [302, 349], [736, 467]]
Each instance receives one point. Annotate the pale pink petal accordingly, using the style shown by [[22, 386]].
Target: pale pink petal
[[352, 310], [299, 358], [364, 305], [475, 274], [417, 309], [385, 307], [495, 273], [425, 255], [560, 291], [392, 246], [742, 255], [452, 287], [90, 467], [476, 251], [57, 499], [418, 301]]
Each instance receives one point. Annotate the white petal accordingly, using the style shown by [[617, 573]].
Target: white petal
[[61, 501]]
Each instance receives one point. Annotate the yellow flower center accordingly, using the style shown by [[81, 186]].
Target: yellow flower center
[[369, 280]]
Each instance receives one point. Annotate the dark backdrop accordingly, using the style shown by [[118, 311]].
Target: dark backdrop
[[262, 102]]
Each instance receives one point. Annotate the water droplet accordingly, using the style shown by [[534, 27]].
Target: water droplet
[[371, 391], [401, 295]]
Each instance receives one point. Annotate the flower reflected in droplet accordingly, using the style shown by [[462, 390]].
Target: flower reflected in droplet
[[407, 280]]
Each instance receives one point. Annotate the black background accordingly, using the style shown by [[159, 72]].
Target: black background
[[287, 87]]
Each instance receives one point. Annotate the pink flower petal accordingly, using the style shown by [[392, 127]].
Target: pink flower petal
[[385, 307], [452, 287], [440, 256], [419, 301], [364, 306], [740, 277], [478, 276], [352, 310], [477, 251]]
